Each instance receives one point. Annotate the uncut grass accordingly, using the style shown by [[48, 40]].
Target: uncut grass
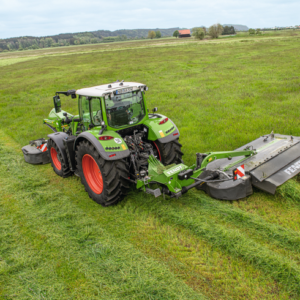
[[218, 275], [240, 37], [57, 253], [197, 94], [124, 45]]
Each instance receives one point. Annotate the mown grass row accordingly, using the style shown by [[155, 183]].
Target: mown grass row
[[232, 241], [257, 226], [45, 200], [50, 250], [291, 191]]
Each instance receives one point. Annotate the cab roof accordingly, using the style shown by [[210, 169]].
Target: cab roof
[[107, 89]]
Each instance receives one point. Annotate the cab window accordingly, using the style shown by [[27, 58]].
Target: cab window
[[84, 109], [96, 113]]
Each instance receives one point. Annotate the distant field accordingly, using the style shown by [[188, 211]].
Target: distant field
[[56, 243]]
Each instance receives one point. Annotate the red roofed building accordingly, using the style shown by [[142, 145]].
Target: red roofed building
[[184, 33]]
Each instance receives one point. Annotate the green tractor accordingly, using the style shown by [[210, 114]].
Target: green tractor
[[109, 142], [114, 142]]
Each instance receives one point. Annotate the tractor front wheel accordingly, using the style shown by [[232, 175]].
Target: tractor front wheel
[[105, 181], [58, 164], [168, 153]]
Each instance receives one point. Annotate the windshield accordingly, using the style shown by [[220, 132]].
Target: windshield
[[125, 109]]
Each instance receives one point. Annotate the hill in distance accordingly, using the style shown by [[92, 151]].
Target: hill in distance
[[237, 27], [88, 37]]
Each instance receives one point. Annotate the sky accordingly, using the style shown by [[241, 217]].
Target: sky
[[41, 18]]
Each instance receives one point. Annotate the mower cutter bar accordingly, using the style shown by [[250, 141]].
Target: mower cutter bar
[[276, 161]]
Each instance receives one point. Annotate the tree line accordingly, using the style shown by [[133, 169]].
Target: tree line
[[67, 39], [213, 31], [154, 34]]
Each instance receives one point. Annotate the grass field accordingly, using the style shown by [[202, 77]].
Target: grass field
[[56, 243]]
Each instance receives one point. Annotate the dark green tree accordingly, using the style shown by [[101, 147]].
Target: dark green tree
[[228, 30], [215, 30], [158, 34], [198, 33], [176, 33], [151, 34]]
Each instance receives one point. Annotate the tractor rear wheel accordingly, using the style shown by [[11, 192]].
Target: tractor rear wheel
[[58, 164], [105, 181], [169, 153]]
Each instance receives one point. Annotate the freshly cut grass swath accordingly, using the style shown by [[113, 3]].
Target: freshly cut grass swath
[[129, 219], [290, 191], [281, 236], [232, 241], [57, 254]]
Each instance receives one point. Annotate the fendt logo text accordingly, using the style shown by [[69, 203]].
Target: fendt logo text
[[175, 170], [293, 168]]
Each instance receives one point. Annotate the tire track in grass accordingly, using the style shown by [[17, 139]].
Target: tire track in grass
[[60, 244]]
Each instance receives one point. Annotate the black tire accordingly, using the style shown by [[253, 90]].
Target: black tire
[[169, 153], [114, 175], [60, 166]]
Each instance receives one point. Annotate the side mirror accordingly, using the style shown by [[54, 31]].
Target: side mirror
[[154, 109], [103, 127], [57, 104]]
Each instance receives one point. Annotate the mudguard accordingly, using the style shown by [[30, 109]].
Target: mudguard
[[171, 137], [105, 155], [57, 138], [162, 133]]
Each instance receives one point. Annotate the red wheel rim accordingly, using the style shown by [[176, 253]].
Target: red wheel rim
[[159, 156], [92, 174], [55, 160]]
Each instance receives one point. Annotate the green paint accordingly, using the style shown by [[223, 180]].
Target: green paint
[[267, 145], [93, 110], [168, 175]]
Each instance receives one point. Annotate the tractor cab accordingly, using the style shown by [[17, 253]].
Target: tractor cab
[[116, 104]]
